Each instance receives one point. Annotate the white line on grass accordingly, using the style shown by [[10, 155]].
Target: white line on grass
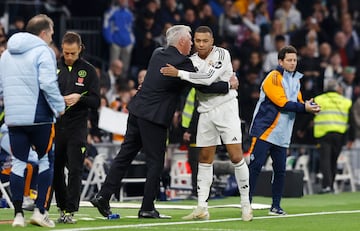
[[207, 221]]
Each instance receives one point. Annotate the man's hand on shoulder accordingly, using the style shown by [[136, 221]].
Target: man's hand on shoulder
[[169, 70]]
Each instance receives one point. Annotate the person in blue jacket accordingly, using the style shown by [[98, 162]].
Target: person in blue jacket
[[32, 101], [118, 32]]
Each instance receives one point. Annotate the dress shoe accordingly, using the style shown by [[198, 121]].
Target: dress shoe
[[152, 214], [102, 205], [326, 190]]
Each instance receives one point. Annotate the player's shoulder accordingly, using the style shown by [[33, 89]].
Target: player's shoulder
[[220, 52], [194, 57], [275, 77]]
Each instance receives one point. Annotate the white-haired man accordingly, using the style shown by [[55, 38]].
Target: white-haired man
[[150, 114]]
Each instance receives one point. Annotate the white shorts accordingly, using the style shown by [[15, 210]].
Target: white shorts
[[221, 123]]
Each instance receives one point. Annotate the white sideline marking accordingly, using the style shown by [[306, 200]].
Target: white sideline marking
[[174, 206], [208, 221]]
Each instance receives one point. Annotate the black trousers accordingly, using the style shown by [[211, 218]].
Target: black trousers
[[329, 150], [70, 148], [151, 138]]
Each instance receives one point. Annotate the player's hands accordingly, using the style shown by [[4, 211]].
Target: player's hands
[[169, 70], [234, 82], [312, 107], [72, 99]]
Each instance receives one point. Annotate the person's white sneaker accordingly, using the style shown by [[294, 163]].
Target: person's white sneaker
[[19, 220], [246, 212], [200, 213], [41, 219], [28, 204]]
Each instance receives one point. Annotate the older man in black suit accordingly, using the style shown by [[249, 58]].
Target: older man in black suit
[[150, 114]]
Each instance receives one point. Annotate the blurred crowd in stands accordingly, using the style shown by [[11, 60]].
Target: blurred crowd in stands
[[325, 32]]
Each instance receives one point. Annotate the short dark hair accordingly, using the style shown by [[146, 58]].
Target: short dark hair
[[39, 23], [71, 37], [204, 29], [285, 50]]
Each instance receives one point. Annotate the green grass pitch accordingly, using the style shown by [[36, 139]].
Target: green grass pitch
[[330, 212]]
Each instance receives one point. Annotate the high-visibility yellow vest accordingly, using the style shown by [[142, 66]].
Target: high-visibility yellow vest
[[334, 115], [189, 108]]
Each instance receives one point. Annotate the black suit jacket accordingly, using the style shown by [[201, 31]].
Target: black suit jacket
[[157, 99]]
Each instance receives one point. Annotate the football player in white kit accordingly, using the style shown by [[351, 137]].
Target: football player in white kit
[[219, 120]]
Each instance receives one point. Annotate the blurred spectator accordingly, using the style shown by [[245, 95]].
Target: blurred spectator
[[309, 65], [228, 21], [145, 32], [238, 69], [248, 95], [152, 6], [325, 52], [250, 52], [340, 46], [120, 104], [310, 32], [352, 38], [244, 6], [190, 19], [104, 135], [207, 18], [262, 17], [271, 59], [269, 39], [140, 79], [324, 19], [118, 32], [289, 16], [3, 37], [161, 39], [109, 79], [196, 5], [334, 69], [169, 12], [254, 64], [2, 48], [141, 76], [349, 88], [17, 26], [246, 29], [355, 124]]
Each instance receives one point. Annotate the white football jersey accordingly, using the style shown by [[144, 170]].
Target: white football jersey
[[216, 67]]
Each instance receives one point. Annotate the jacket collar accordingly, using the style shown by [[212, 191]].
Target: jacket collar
[[295, 74]]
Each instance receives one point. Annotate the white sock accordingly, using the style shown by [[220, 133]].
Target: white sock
[[242, 179], [204, 181]]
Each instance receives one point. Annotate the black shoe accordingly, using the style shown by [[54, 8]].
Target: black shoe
[[102, 205], [152, 214], [326, 190]]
